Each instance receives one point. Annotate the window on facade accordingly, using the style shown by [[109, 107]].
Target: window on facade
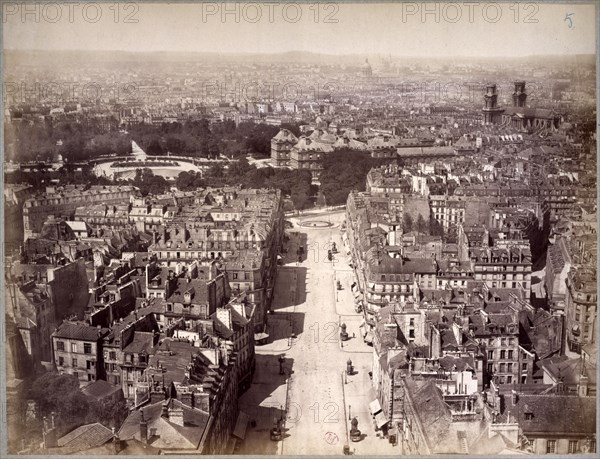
[[74, 363], [490, 355], [503, 354], [524, 366], [91, 377], [572, 446], [502, 368], [73, 347], [550, 446], [61, 361], [509, 380], [87, 348], [510, 354], [112, 355], [509, 367], [60, 346]]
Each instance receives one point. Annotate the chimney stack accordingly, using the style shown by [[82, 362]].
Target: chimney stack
[[116, 441], [143, 428]]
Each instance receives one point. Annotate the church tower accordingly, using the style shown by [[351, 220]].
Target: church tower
[[491, 112], [519, 96]]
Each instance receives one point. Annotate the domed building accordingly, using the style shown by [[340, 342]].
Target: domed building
[[367, 71]]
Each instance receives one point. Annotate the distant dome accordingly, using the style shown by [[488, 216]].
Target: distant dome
[[366, 68]]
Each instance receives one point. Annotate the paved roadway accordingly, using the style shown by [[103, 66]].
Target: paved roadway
[[317, 396]]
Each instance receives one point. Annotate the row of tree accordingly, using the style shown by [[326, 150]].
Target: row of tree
[[65, 175], [198, 138], [345, 170], [74, 141], [295, 184]]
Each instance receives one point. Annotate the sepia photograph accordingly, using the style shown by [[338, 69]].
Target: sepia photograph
[[299, 228]]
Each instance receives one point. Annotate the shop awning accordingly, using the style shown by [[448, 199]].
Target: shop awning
[[380, 420], [374, 407], [241, 425]]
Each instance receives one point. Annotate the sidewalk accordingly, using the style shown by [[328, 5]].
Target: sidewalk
[[358, 394], [355, 343], [280, 322], [280, 331], [265, 401], [345, 304]]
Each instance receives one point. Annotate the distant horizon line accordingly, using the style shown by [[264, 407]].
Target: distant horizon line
[[277, 53]]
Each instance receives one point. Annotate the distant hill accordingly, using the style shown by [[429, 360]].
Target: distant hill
[[58, 58]]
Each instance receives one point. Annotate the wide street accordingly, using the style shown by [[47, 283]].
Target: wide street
[[316, 395]]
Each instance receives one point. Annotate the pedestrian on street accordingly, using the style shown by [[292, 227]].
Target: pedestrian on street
[[353, 336]]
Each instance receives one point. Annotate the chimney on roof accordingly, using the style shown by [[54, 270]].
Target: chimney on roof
[[202, 401], [143, 428], [187, 398], [116, 441]]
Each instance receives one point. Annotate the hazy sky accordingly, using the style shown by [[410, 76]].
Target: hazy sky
[[483, 29]]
